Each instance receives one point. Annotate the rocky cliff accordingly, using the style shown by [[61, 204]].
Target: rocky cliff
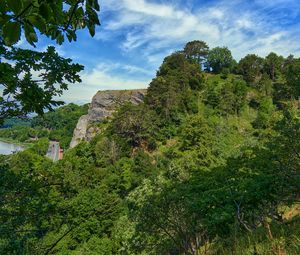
[[102, 106]]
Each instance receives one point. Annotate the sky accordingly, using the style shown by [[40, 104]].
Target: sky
[[136, 35]]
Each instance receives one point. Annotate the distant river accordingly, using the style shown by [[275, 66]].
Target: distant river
[[9, 148]]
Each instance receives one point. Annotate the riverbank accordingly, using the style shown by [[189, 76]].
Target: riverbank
[[16, 142]]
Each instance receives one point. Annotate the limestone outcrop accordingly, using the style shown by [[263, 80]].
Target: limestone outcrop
[[80, 131], [103, 104]]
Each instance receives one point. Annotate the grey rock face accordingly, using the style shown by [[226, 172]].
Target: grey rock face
[[103, 105], [104, 102], [80, 130]]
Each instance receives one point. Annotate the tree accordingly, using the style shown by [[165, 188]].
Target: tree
[[265, 113], [24, 92], [219, 58], [293, 77], [55, 19], [265, 85], [175, 77], [251, 68], [135, 124], [166, 222], [273, 65], [197, 50], [232, 97]]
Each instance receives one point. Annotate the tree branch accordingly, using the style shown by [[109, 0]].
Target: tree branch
[[22, 12], [72, 14]]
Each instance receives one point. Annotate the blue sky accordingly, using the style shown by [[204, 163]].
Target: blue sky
[[136, 35]]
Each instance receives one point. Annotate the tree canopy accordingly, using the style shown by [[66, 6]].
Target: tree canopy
[[32, 79], [207, 164], [56, 19], [219, 58], [197, 50]]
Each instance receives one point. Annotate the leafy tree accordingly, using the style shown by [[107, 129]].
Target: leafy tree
[[25, 202], [233, 97], [273, 65], [197, 50], [23, 92], [293, 78], [218, 59], [55, 19], [164, 220], [265, 113], [226, 97], [251, 67], [135, 124], [166, 93], [265, 85]]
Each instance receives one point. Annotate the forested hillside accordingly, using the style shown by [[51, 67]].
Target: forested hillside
[[208, 164]]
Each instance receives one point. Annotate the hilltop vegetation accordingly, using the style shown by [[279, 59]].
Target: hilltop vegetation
[[208, 164]]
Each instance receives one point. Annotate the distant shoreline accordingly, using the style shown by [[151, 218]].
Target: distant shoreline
[[15, 142]]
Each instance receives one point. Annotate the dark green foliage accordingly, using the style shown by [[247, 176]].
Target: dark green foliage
[[55, 19], [293, 77], [176, 79], [219, 60], [197, 51], [25, 207], [265, 85], [22, 92], [273, 65], [135, 124], [251, 68], [265, 113], [226, 96], [13, 122]]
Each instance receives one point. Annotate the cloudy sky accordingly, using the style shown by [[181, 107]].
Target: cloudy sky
[[136, 35]]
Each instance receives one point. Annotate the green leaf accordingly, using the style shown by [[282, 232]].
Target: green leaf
[[71, 35], [38, 22], [11, 33], [15, 5], [30, 34], [96, 5], [3, 6], [60, 38], [79, 13], [45, 11], [91, 30], [4, 19]]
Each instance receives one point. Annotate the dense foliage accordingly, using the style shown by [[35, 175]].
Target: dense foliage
[[55, 19], [208, 164], [31, 80]]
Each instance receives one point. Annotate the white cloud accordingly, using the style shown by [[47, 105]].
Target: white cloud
[[242, 26], [159, 25], [245, 23], [99, 78], [110, 67], [156, 10]]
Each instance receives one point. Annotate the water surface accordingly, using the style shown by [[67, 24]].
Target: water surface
[[9, 148]]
